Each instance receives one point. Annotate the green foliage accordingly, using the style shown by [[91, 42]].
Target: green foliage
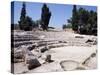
[[25, 22], [66, 26], [28, 24], [75, 18], [45, 17], [69, 26], [36, 23], [22, 17], [84, 21]]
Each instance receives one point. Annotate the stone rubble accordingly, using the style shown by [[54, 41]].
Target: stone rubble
[[39, 50]]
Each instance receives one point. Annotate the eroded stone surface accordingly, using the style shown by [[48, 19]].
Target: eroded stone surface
[[61, 46]]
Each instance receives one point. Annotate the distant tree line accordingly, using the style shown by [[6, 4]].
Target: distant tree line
[[65, 26], [26, 23], [83, 21]]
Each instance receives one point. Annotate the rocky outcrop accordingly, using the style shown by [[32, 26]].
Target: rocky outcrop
[[18, 56], [32, 47], [69, 65], [48, 59], [42, 50], [33, 63]]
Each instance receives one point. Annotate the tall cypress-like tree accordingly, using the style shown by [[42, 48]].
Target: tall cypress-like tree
[[25, 22], [74, 18], [45, 17], [22, 17]]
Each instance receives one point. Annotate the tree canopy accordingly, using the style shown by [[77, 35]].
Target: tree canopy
[[83, 21]]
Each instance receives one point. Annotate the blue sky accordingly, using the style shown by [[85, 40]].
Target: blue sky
[[60, 12]]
